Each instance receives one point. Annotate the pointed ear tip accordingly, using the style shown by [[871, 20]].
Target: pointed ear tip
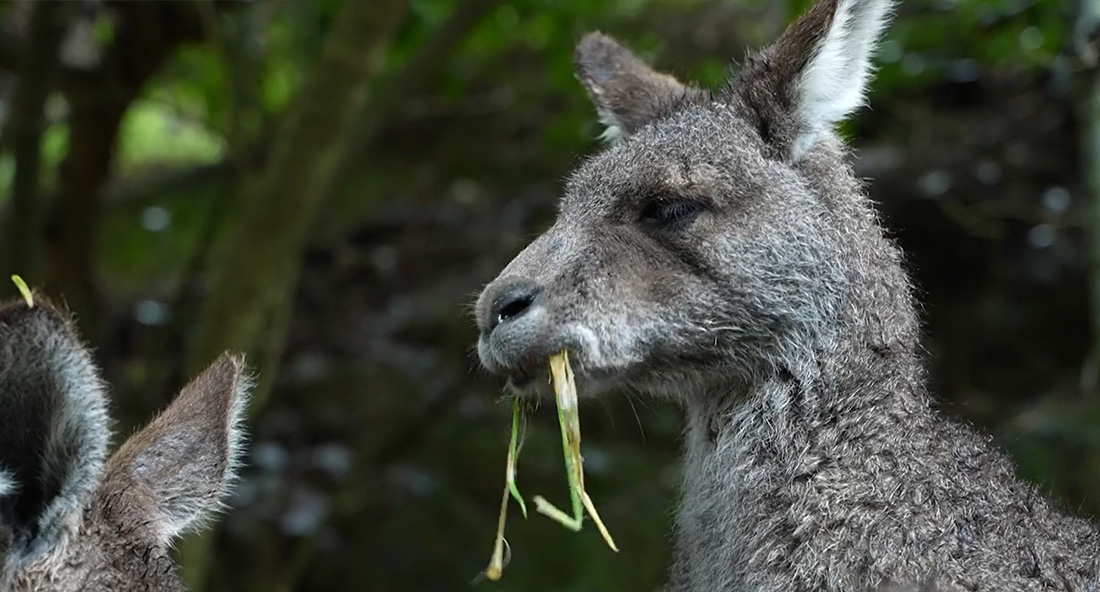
[[222, 387], [592, 38], [228, 362], [245, 375], [232, 359], [595, 45], [231, 369]]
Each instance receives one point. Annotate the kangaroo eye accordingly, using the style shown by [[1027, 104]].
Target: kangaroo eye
[[669, 214]]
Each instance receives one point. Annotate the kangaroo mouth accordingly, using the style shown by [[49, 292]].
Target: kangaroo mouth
[[534, 380], [523, 379], [529, 379], [522, 354]]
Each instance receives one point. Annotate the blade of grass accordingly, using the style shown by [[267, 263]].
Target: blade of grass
[[544, 507], [514, 447], [565, 392], [498, 560], [565, 395], [501, 549], [25, 291], [599, 523]]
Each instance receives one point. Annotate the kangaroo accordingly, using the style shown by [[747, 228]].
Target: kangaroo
[[720, 251], [72, 518]]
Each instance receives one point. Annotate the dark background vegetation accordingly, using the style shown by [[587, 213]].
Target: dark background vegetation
[[326, 185]]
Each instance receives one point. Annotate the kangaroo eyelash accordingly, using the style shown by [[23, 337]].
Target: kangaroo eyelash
[[665, 213]]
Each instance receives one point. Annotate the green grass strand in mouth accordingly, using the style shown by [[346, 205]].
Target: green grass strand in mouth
[[565, 394], [515, 444], [569, 423]]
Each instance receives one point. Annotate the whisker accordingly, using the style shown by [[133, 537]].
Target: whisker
[[629, 396]]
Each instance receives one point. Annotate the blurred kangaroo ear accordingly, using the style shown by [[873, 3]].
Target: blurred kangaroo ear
[[54, 426], [627, 92], [815, 75], [188, 456]]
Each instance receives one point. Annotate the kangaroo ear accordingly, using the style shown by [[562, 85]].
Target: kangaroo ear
[[187, 458], [627, 92], [815, 75], [54, 426]]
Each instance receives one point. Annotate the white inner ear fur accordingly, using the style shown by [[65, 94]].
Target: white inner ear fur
[[237, 435], [834, 82], [613, 129], [7, 483]]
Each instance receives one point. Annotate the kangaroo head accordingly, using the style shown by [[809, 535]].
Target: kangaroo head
[[720, 235], [72, 518]]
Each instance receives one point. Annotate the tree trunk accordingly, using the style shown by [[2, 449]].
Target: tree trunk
[[37, 66], [1088, 113], [74, 226], [255, 270], [148, 32]]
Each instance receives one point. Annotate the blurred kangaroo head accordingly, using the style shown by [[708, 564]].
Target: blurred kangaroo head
[[718, 236], [73, 518]]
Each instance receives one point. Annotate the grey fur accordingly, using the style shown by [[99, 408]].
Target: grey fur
[[775, 309], [70, 518], [54, 441]]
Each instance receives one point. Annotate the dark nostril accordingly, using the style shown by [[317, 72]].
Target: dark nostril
[[513, 303], [515, 308]]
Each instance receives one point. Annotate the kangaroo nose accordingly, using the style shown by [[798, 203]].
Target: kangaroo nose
[[511, 302]]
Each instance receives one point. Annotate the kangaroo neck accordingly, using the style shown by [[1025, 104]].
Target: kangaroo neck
[[748, 448]]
